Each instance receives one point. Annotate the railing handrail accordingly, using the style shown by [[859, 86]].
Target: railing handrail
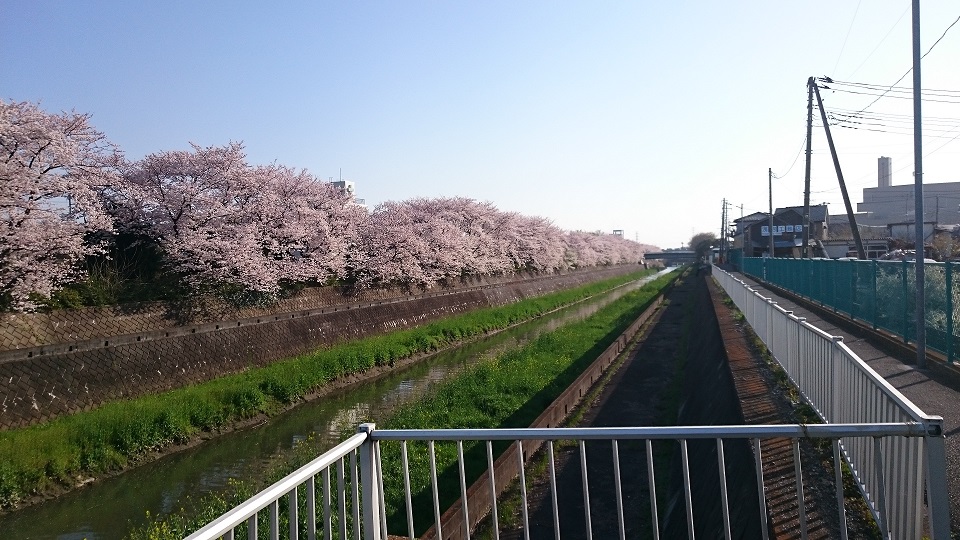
[[762, 431], [237, 515], [902, 401]]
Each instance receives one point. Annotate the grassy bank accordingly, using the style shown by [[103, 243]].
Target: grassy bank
[[510, 390], [61, 453]]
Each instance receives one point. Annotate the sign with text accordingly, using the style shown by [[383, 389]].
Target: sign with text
[[780, 229]]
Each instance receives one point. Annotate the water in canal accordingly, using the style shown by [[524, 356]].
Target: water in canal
[[108, 509]]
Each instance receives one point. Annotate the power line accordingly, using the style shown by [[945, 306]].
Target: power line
[[881, 42], [802, 145], [844, 46], [906, 118], [911, 68], [904, 89], [886, 93]]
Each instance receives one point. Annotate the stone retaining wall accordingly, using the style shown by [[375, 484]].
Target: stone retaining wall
[[54, 378]]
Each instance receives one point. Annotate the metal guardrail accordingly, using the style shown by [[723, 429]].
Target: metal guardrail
[[263, 509], [363, 515], [843, 388]]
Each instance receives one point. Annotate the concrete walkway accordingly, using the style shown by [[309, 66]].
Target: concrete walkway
[[931, 392]]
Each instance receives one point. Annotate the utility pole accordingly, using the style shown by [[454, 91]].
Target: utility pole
[[921, 315], [843, 186], [723, 225], [806, 178], [770, 189]]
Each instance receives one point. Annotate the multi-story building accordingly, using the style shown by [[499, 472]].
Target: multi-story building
[[887, 204]]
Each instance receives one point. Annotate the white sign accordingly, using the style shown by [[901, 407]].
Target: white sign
[[789, 228], [764, 230]]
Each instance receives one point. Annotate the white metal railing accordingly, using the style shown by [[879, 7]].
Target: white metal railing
[[842, 388], [330, 497], [363, 515]]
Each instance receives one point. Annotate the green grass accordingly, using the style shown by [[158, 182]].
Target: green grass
[[510, 390], [62, 452]]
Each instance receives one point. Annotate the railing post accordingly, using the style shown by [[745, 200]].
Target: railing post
[[370, 485], [800, 350], [835, 390], [936, 464]]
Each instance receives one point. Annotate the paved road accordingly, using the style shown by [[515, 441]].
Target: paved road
[[932, 393]]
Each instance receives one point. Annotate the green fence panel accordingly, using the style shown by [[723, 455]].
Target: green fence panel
[[878, 293], [892, 298], [863, 299], [753, 266]]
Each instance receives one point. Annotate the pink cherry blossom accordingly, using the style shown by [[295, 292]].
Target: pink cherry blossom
[[53, 168]]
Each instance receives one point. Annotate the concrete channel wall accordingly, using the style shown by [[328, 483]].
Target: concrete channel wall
[[54, 364]]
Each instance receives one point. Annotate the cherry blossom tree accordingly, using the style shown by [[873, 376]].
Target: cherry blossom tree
[[197, 206], [309, 227], [531, 243], [393, 250], [462, 231], [221, 221], [52, 169]]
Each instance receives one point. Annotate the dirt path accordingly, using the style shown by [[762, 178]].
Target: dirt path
[[636, 395]]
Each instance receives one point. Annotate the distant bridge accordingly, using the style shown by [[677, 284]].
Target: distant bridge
[[673, 257]]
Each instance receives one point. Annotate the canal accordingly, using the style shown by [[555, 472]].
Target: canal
[[108, 509]]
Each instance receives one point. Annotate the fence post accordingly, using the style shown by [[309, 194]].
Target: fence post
[[937, 499], [369, 484], [853, 289], [906, 312], [876, 268], [949, 278]]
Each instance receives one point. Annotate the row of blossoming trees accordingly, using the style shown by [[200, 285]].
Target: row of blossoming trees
[[66, 194]]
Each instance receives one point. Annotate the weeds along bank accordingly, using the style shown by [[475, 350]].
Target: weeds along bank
[[510, 390], [58, 454]]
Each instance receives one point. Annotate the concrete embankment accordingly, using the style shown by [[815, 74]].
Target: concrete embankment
[[114, 356]]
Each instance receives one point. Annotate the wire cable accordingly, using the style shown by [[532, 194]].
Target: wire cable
[[802, 145], [881, 41], [844, 46], [911, 67]]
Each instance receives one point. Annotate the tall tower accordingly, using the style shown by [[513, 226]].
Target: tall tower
[[884, 174]]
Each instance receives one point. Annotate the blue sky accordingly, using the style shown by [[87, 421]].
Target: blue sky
[[639, 116]]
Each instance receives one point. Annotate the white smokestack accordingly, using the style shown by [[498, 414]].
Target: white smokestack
[[884, 174]]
